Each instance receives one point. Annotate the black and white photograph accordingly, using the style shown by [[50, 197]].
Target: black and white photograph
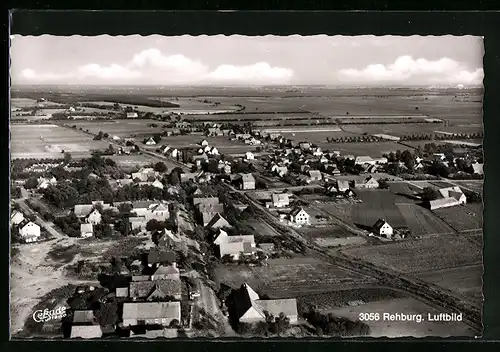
[[246, 186]]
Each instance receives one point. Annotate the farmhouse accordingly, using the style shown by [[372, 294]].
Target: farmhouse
[[29, 231], [370, 182], [315, 175], [450, 196], [16, 218], [299, 216], [86, 230], [247, 181], [234, 246], [383, 229], [157, 184], [280, 200], [249, 308], [151, 313]]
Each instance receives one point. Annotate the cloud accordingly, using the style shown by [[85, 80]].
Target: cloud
[[151, 66], [406, 68]]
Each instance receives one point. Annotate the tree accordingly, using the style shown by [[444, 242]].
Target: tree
[[174, 178], [154, 225], [429, 194], [160, 167], [30, 183], [67, 158]]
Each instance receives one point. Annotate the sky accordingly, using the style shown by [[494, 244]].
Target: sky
[[241, 60]]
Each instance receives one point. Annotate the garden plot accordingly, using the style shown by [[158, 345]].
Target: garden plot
[[462, 218], [422, 222]]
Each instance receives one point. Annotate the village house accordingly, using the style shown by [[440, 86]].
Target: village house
[[383, 229], [150, 141], [318, 152], [315, 175], [478, 168], [218, 222], [331, 169], [86, 331], [234, 245], [204, 143], [160, 256], [213, 151], [168, 239], [250, 309], [158, 289], [16, 217], [144, 174], [43, 182], [174, 153], [370, 182], [449, 197], [151, 313], [247, 182], [304, 168], [207, 212], [137, 222], [224, 168], [189, 176], [199, 159], [94, 217], [299, 216], [166, 272], [249, 156], [132, 115], [214, 132], [279, 170], [280, 200], [86, 230], [29, 231], [157, 184], [305, 146], [84, 317]]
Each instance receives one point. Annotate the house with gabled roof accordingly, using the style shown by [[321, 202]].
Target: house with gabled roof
[[157, 183], [149, 290], [247, 181], [86, 331], [250, 308], [218, 222], [168, 239], [16, 217], [305, 146], [299, 216], [86, 230], [150, 141], [383, 229], [370, 182], [280, 200], [343, 185], [84, 317], [29, 231], [150, 313], [94, 217], [315, 175], [478, 168], [249, 156], [234, 245], [449, 197], [166, 272], [43, 182], [160, 256]]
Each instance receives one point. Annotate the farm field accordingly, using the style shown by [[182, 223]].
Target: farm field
[[462, 218], [341, 209], [349, 297], [409, 305], [475, 186], [130, 161], [465, 280], [324, 232], [374, 149], [339, 241], [120, 128], [377, 204], [26, 142], [410, 128], [422, 222], [290, 277], [403, 192], [422, 255]]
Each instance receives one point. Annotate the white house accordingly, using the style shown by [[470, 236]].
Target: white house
[[157, 184], [29, 232], [94, 217], [204, 143], [16, 218], [300, 217], [151, 141], [132, 114], [317, 152], [383, 229], [43, 183], [86, 230], [280, 200], [249, 156], [174, 153]]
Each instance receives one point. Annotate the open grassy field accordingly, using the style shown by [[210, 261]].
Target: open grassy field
[[409, 305], [324, 232], [462, 218], [405, 129], [120, 128], [421, 221], [290, 277], [465, 280], [422, 255], [377, 204], [45, 141]]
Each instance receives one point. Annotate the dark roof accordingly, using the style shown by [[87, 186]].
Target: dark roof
[[157, 255], [84, 317], [379, 224]]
